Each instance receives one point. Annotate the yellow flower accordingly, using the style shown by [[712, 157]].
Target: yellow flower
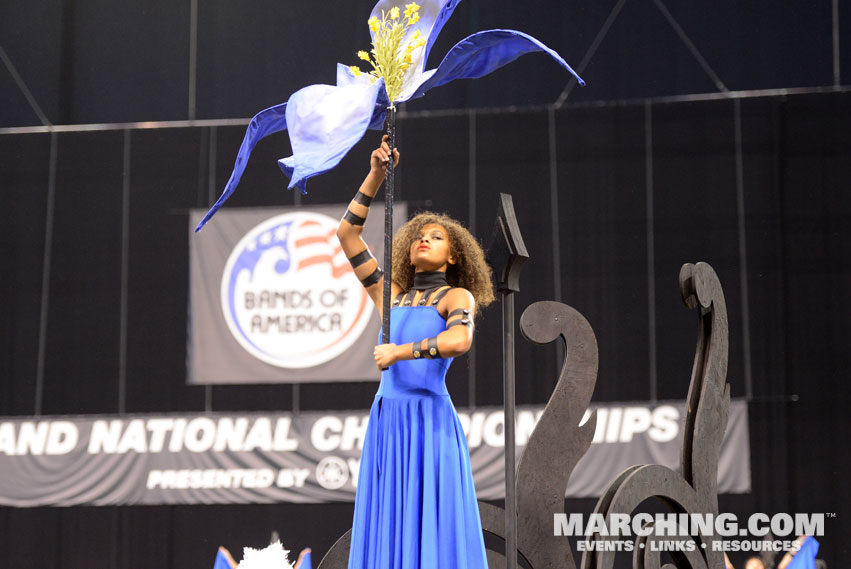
[[363, 55], [414, 19], [408, 57], [394, 13], [355, 69], [411, 9], [373, 24]]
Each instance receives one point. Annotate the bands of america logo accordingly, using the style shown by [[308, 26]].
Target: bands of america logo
[[289, 295]]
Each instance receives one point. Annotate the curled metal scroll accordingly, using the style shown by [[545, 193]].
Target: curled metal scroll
[[557, 443], [695, 490]]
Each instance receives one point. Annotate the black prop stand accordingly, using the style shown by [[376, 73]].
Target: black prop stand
[[507, 255]]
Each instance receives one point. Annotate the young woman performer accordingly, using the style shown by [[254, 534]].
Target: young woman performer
[[415, 506]]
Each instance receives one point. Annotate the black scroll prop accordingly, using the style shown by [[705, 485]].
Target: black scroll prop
[[695, 491], [557, 442]]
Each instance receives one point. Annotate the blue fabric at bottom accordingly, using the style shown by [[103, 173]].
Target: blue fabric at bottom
[[416, 504], [805, 558]]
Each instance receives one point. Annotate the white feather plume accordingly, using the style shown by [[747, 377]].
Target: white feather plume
[[272, 557]]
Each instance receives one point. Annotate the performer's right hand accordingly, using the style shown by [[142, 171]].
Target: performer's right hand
[[381, 156]]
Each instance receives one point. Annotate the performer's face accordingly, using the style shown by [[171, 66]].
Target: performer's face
[[430, 251]]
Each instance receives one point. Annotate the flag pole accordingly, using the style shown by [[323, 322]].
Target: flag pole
[[390, 128]]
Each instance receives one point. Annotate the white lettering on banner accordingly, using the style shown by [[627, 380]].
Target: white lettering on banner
[[200, 434], [354, 431], [135, 438], [159, 428], [46, 437], [210, 478], [666, 424], [104, 437], [260, 437], [230, 434], [621, 424], [283, 442], [488, 427], [325, 433], [354, 470], [329, 432], [292, 477]]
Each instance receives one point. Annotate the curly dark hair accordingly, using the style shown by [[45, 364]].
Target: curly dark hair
[[470, 270]]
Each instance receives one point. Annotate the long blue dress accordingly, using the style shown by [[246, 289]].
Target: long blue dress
[[415, 506]]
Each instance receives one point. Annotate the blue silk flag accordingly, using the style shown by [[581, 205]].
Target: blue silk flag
[[805, 558], [326, 121]]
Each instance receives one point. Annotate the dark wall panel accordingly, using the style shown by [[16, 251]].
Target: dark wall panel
[[762, 130], [797, 218], [25, 162], [86, 61], [165, 169], [513, 157], [817, 255], [695, 219], [123, 61], [81, 369], [603, 237]]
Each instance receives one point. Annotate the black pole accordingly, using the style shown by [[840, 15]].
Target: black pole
[[390, 126], [507, 255], [508, 397]]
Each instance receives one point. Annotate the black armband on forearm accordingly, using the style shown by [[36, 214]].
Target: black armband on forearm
[[372, 278], [361, 258], [362, 198], [430, 352], [353, 219], [431, 346]]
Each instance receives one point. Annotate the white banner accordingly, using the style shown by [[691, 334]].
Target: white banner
[[307, 457]]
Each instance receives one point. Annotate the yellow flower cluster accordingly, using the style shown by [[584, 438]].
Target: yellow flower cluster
[[391, 59]]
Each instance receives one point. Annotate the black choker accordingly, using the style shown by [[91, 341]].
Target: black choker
[[429, 279]]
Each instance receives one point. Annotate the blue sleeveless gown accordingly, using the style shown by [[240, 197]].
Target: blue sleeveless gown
[[415, 506]]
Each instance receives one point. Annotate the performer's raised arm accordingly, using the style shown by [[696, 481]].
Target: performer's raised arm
[[351, 226]]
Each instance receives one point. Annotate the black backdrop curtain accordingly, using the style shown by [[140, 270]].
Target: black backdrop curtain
[[612, 201]]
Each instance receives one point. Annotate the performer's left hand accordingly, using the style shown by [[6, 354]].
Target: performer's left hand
[[385, 355]]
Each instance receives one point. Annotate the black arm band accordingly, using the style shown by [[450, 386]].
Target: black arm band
[[457, 311], [362, 198], [361, 258], [433, 352], [462, 321], [373, 278], [415, 350], [353, 219]]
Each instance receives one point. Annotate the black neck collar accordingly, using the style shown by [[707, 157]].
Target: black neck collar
[[429, 279]]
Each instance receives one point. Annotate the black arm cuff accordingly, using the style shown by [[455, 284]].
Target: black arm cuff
[[373, 278], [433, 352], [361, 258], [353, 219], [362, 198]]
